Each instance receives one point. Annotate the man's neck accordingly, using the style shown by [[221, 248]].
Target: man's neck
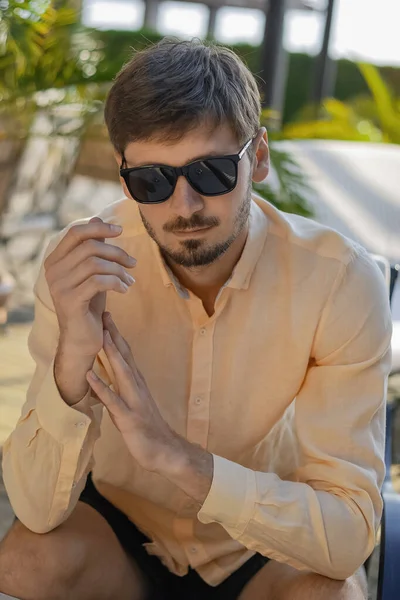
[[205, 282]]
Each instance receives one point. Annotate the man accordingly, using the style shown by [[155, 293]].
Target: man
[[229, 405]]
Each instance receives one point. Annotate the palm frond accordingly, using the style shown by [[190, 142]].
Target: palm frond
[[293, 187]]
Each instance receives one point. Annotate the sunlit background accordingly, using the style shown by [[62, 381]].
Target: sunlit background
[[363, 29]]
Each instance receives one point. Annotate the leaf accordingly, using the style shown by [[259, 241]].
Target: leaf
[[337, 109], [378, 88], [293, 185]]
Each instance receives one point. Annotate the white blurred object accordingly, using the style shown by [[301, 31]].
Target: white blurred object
[[396, 347], [356, 189]]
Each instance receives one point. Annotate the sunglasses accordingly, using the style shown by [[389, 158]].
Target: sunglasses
[[212, 176]]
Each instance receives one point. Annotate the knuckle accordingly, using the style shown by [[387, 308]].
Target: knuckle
[[96, 280], [93, 284], [95, 262], [74, 232], [90, 246]]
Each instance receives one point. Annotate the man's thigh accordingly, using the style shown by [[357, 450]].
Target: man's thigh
[[83, 553], [278, 581]]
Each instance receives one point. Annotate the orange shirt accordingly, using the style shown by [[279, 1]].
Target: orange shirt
[[285, 384]]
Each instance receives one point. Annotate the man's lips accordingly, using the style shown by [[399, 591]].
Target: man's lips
[[192, 231]]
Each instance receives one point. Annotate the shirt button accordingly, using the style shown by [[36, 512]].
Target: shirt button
[[74, 484], [80, 424], [203, 331], [198, 400], [193, 549]]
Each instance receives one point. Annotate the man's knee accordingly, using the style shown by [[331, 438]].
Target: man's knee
[[279, 581], [42, 565], [310, 586]]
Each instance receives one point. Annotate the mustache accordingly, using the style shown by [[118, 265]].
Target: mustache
[[195, 222]]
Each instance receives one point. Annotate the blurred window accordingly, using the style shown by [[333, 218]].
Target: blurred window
[[183, 19], [118, 14], [240, 25]]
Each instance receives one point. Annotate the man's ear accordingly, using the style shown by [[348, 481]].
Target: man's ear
[[261, 158]]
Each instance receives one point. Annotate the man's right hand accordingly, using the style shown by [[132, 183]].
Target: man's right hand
[[79, 272]]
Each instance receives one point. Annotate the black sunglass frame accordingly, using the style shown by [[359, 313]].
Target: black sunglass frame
[[184, 171]]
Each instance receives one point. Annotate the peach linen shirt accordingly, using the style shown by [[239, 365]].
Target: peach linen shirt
[[284, 384]]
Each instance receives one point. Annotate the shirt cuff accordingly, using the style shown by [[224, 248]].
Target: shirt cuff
[[56, 417], [232, 495]]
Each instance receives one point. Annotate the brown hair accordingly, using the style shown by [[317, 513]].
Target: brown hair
[[172, 87]]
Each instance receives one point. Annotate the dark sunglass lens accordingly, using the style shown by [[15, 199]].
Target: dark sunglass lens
[[213, 176], [152, 184]]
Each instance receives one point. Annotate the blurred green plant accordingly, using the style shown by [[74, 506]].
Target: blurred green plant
[[293, 189], [41, 45], [373, 118], [37, 48]]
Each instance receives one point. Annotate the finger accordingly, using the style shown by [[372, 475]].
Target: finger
[[114, 403], [123, 347], [122, 371], [83, 259], [94, 229], [120, 342], [73, 277], [85, 292]]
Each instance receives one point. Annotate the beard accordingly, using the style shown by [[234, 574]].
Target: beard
[[197, 253]]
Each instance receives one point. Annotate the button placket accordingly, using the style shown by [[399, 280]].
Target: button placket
[[199, 407]]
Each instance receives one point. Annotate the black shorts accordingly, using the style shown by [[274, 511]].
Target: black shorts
[[163, 584]]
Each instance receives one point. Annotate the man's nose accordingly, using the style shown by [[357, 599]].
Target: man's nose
[[185, 200]]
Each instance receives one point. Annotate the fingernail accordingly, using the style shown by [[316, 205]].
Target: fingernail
[[130, 279], [132, 261], [93, 375], [116, 228]]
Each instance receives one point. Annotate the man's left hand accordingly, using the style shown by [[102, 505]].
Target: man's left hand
[[131, 406], [149, 438]]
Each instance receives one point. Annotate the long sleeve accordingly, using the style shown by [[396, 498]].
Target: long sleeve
[[325, 519], [48, 455]]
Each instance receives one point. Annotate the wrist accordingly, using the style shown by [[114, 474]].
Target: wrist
[[188, 466], [70, 370]]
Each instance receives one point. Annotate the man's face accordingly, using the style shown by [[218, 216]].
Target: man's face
[[172, 224]]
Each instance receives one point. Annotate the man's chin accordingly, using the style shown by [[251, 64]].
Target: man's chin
[[194, 258]]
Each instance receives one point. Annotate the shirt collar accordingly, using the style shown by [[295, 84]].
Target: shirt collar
[[241, 274], [244, 268], [167, 276]]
